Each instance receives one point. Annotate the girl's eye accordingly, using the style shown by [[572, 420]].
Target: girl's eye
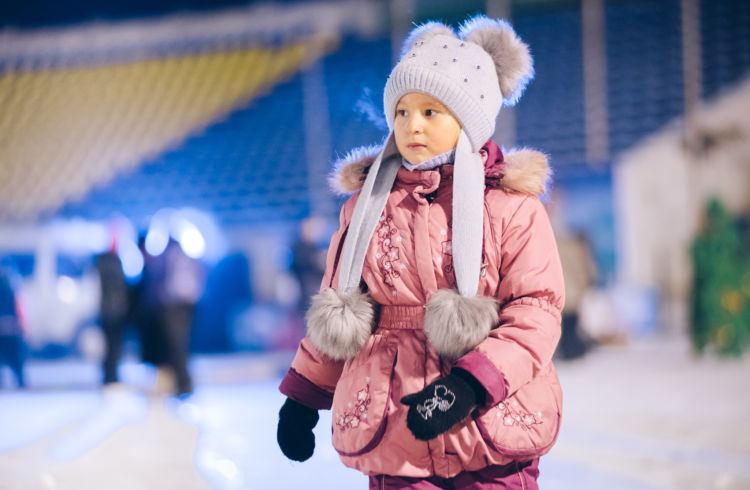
[[401, 112], [429, 112]]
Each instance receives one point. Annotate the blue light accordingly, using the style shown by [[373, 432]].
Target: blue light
[[190, 238], [156, 239], [131, 258]]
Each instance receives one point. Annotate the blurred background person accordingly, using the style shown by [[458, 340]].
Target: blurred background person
[[147, 316], [228, 293], [580, 274], [12, 347], [113, 311], [306, 271], [179, 292], [308, 260]]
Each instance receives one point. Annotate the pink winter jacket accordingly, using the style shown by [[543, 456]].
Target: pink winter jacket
[[408, 261]]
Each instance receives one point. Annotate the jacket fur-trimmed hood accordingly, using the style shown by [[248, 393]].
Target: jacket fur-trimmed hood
[[521, 170]]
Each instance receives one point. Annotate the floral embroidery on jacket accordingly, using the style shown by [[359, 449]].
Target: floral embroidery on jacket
[[513, 414], [447, 247], [388, 254], [447, 259], [357, 410]]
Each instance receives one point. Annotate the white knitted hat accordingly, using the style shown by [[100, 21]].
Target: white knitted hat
[[473, 73]]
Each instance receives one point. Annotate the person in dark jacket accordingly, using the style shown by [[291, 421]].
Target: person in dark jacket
[[146, 311], [113, 311]]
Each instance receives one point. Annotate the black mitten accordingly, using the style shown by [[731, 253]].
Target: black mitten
[[442, 404], [294, 433]]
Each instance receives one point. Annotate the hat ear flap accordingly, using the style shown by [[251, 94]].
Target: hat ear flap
[[512, 59], [423, 33]]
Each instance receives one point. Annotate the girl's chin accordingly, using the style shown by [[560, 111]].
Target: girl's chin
[[415, 158]]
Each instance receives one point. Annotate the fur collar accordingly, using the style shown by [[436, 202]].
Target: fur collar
[[522, 171]]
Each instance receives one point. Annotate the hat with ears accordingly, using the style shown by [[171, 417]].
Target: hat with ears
[[473, 73]]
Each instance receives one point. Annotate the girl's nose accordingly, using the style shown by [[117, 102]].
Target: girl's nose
[[414, 124]]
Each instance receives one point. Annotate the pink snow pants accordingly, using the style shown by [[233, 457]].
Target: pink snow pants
[[514, 476]]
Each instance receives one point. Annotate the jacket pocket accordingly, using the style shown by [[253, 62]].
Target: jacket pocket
[[525, 424], [362, 398]]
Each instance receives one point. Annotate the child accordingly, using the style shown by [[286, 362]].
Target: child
[[432, 337]]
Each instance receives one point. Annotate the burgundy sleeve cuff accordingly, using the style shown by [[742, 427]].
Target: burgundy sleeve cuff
[[486, 373], [304, 391]]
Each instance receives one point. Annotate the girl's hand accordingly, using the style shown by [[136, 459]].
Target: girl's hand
[[442, 404], [294, 432]]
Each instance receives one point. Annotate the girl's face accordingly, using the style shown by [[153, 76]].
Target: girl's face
[[424, 127]]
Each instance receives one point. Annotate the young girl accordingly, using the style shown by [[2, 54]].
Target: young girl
[[432, 337]]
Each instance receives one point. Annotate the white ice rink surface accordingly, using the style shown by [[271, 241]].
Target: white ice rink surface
[[642, 416]]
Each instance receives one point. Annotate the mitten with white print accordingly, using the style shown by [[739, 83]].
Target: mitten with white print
[[442, 404]]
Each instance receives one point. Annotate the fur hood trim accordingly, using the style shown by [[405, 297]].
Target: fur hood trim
[[339, 325], [455, 324], [523, 170], [526, 171], [349, 173]]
